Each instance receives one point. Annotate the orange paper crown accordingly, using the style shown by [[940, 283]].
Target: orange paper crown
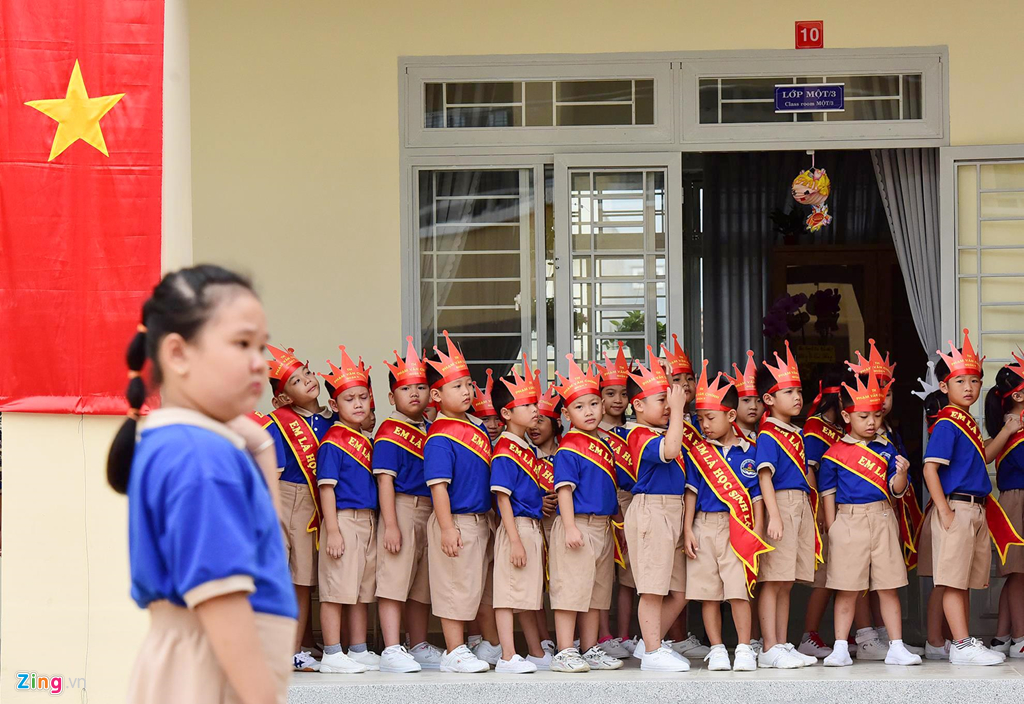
[[651, 381], [874, 364], [867, 398], [283, 365], [786, 375], [408, 371], [348, 375], [1017, 369], [745, 381], [547, 403], [709, 397], [614, 373], [579, 383], [483, 404], [525, 390], [962, 363], [678, 360], [452, 365]]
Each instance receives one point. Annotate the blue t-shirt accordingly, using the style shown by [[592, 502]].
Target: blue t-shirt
[[654, 475], [390, 457], [1010, 467], [292, 471], [834, 478], [814, 447], [199, 511], [742, 463], [336, 465], [961, 467], [786, 473], [622, 475], [466, 473], [508, 477], [594, 489]]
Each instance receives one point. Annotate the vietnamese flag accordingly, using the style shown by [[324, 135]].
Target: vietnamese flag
[[81, 105]]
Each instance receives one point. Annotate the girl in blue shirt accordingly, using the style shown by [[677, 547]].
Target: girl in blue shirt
[[206, 553]]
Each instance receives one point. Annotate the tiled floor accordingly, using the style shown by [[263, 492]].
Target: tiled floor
[[931, 682]]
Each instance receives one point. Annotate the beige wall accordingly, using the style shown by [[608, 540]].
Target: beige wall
[[295, 180]]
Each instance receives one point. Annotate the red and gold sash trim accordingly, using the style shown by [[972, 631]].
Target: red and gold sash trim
[[303, 443], [263, 420], [826, 432], [352, 443], [793, 445], [618, 540], [1011, 445], [546, 474], [863, 462], [523, 457], [620, 448], [1000, 529], [909, 519], [464, 433], [407, 436], [590, 448], [964, 422]]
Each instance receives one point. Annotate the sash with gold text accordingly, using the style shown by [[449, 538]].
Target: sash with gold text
[[303, 443], [824, 431], [620, 448], [464, 433], [523, 457], [793, 445], [407, 436], [352, 443], [590, 448]]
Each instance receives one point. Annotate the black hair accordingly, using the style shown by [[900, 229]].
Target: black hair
[[500, 395], [999, 400], [933, 403], [433, 376], [834, 375], [941, 369], [764, 381], [632, 389], [392, 381], [275, 386], [181, 303], [731, 399]]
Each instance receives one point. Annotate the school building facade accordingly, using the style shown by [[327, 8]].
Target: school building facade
[[546, 177]]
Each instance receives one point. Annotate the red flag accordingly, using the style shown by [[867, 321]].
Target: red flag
[[81, 102]]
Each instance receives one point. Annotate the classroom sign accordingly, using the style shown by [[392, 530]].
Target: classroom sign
[[810, 97]]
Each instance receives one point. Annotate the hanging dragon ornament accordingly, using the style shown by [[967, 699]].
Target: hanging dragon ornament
[[812, 188]]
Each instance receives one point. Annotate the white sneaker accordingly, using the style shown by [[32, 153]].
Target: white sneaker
[[630, 645], [745, 659], [975, 653], [757, 645], [718, 659], [600, 660], [367, 657], [341, 664], [691, 647], [517, 665], [614, 648], [871, 648], [899, 655], [462, 659], [568, 660], [933, 653], [840, 655], [313, 650], [812, 644], [396, 658], [473, 641], [542, 663], [1001, 646], [1016, 649], [916, 650], [802, 657], [639, 649], [427, 655], [549, 647], [779, 657], [303, 661], [663, 660], [487, 652]]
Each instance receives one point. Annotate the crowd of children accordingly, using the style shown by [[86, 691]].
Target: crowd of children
[[471, 503]]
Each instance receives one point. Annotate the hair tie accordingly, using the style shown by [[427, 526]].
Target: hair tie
[[132, 374], [133, 413], [142, 329]]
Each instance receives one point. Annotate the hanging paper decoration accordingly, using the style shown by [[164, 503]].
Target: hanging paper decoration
[[812, 187]]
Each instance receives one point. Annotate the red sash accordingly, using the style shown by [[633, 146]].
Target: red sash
[[618, 554], [641, 435], [303, 443], [863, 462], [999, 526], [908, 511], [742, 434], [730, 490], [546, 474], [525, 458], [352, 443], [620, 448], [402, 433], [464, 433], [590, 448], [826, 432], [264, 421], [793, 445], [1011, 444]]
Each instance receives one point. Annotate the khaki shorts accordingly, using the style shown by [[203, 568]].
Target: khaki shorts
[[547, 523], [581, 578], [352, 578], [924, 546], [1012, 502], [867, 538], [625, 574], [717, 574], [404, 575], [792, 560], [297, 508], [519, 588], [457, 583], [654, 532], [961, 555]]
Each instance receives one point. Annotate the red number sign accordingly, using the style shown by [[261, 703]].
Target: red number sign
[[810, 34]]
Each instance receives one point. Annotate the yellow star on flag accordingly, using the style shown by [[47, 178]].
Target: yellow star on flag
[[77, 115]]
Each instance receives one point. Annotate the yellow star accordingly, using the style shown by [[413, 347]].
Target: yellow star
[[77, 115]]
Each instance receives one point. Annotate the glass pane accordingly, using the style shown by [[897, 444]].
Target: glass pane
[[583, 115], [751, 88], [967, 204], [427, 266], [630, 182], [733, 113], [867, 110], [539, 111], [594, 91], [476, 183], [619, 238], [1002, 232], [479, 320], [620, 267], [912, 100], [476, 266], [644, 102], [474, 293], [481, 93], [1002, 205], [620, 321], [581, 267], [433, 105], [969, 304], [468, 238], [621, 294], [1003, 176], [1007, 289], [708, 91], [485, 117], [1002, 261], [868, 86], [461, 210], [609, 344]]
